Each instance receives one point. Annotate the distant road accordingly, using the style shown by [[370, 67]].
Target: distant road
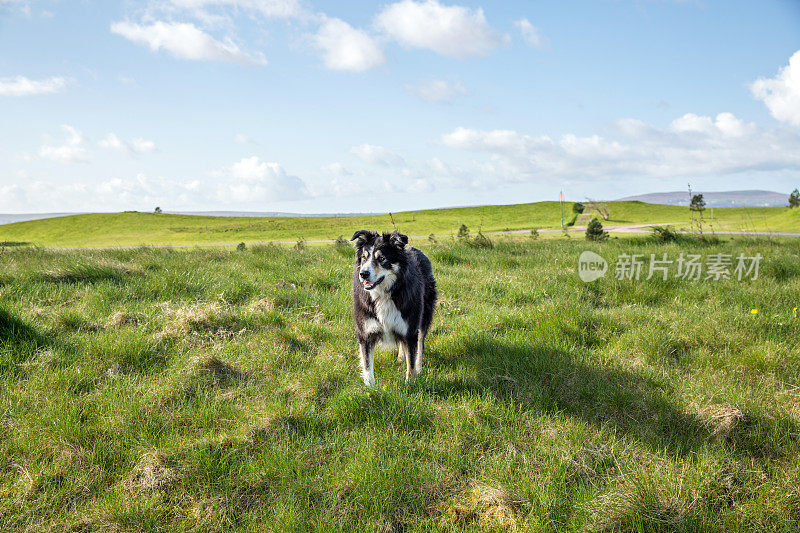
[[630, 228]]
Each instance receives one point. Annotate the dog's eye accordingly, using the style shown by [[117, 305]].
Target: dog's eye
[[384, 262]]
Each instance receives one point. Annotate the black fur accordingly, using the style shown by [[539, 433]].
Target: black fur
[[413, 294]]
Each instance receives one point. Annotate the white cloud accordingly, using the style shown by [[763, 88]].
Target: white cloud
[[72, 151], [251, 181], [133, 147], [337, 169], [690, 146], [726, 124], [781, 94], [146, 193], [115, 194], [267, 8], [530, 33], [455, 31], [22, 86], [437, 91], [346, 48], [377, 155], [185, 41]]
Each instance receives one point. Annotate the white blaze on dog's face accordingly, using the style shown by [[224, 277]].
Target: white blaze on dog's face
[[380, 258], [378, 271]]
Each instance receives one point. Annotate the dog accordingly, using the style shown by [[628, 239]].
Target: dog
[[394, 295]]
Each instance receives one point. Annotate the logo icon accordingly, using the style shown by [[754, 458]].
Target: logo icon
[[591, 266]]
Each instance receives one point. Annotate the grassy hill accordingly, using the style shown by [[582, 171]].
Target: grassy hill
[[217, 390], [131, 229]]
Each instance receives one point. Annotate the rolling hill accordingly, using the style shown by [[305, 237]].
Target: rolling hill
[[133, 229]]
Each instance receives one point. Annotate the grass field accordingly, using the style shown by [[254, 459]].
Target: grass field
[[146, 389], [132, 229]]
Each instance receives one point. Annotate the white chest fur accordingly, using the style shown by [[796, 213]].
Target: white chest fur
[[390, 322]]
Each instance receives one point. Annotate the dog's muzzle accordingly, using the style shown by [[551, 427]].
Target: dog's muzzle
[[369, 285]]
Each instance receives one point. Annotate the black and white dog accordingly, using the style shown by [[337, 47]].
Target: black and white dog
[[394, 294]]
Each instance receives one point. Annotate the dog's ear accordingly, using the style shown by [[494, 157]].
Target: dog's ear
[[398, 239], [363, 236]]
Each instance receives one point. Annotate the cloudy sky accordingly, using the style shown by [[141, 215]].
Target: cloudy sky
[[326, 106]]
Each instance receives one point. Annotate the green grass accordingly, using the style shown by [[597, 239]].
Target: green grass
[[146, 389], [132, 229]]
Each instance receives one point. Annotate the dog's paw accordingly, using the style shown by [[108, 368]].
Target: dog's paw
[[401, 357], [369, 379]]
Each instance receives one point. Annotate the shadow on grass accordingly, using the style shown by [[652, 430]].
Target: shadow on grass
[[18, 341], [10, 244], [533, 377]]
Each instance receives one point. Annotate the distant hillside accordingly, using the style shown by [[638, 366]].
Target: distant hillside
[[265, 214], [716, 199], [9, 218], [132, 229]]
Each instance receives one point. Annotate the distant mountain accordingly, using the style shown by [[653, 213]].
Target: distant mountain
[[717, 199], [22, 217]]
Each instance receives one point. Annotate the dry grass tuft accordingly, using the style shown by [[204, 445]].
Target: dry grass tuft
[[210, 318], [644, 500], [119, 319], [263, 304], [491, 506], [726, 420], [150, 474]]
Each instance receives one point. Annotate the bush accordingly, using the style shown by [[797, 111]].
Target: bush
[[463, 232], [534, 234], [300, 245], [432, 238], [241, 247], [578, 208], [663, 234], [794, 199], [595, 231], [480, 241]]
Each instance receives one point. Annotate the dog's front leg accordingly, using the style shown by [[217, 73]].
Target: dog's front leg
[[366, 352]]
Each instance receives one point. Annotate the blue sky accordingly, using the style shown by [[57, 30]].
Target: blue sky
[[292, 105]]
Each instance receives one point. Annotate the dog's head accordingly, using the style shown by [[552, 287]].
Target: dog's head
[[379, 258]]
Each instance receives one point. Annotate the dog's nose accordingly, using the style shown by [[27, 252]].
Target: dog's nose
[[364, 274]]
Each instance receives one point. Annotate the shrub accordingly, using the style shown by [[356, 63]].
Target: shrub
[[432, 238], [664, 234], [534, 234], [241, 247], [794, 199], [300, 245], [463, 232], [480, 241], [595, 231], [698, 203], [578, 208]]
